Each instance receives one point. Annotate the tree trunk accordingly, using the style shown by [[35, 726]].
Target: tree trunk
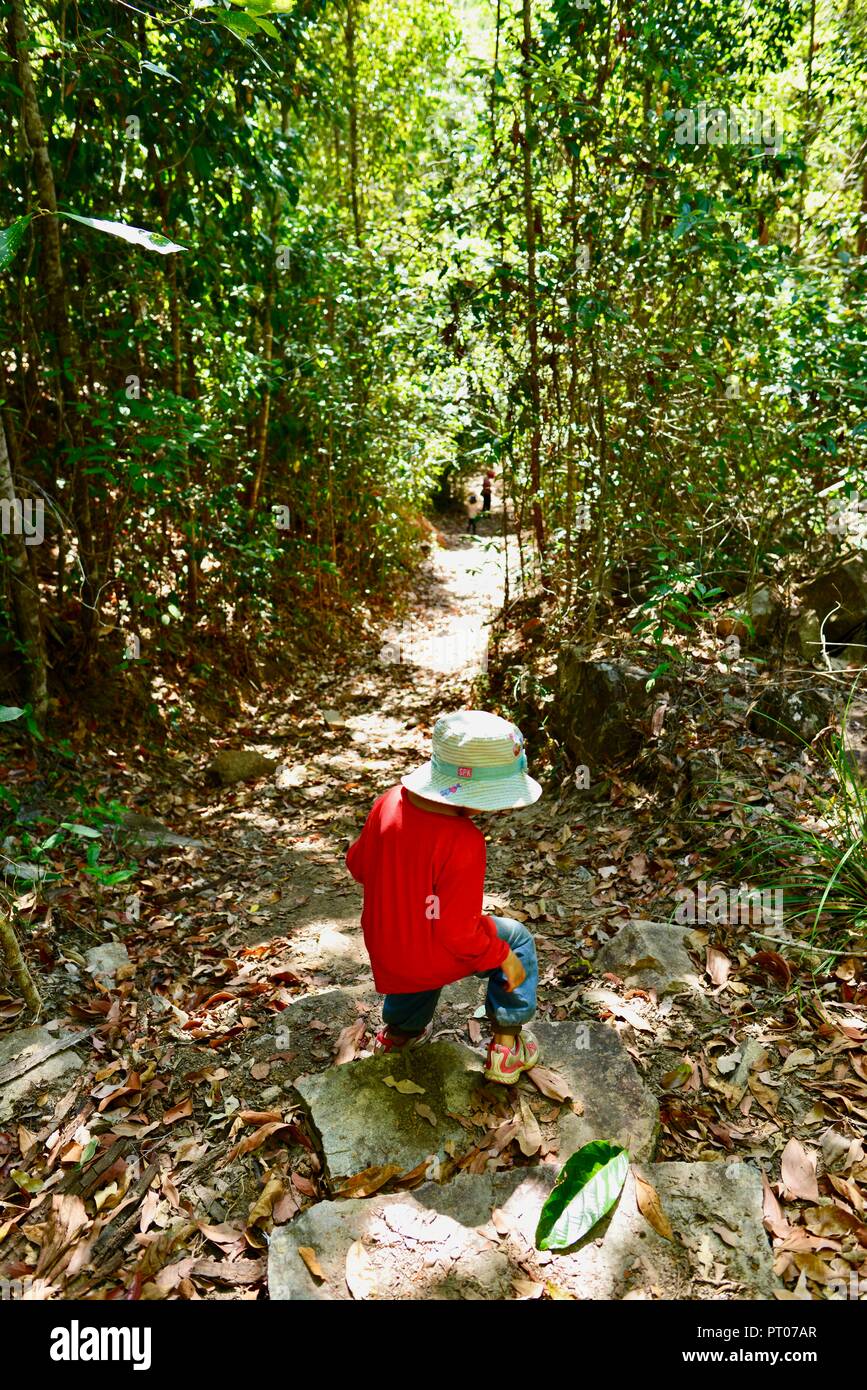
[[352, 70], [532, 292], [17, 965], [25, 594], [51, 270]]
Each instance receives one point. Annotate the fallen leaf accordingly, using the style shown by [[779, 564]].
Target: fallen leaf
[[528, 1288], [359, 1273], [425, 1112], [310, 1258], [717, 965], [406, 1087], [369, 1181], [651, 1207], [529, 1135], [798, 1172], [348, 1043], [550, 1084], [260, 1070], [178, 1112], [801, 1057]]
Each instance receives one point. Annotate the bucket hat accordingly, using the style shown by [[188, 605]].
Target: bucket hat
[[478, 761]]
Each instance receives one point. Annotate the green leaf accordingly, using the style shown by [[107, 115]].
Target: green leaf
[[160, 71], [8, 712], [587, 1187], [27, 1181], [85, 830], [87, 1155], [139, 236], [11, 238]]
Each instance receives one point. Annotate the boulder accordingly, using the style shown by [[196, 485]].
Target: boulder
[[791, 716], [616, 1103], [603, 709], [650, 955], [474, 1238], [239, 765], [842, 594], [33, 1059], [364, 1122]]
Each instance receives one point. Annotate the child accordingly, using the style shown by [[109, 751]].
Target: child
[[474, 506], [422, 864], [486, 491]]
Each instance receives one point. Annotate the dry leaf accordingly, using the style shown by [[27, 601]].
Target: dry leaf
[[178, 1112], [529, 1135], [717, 965], [254, 1140], [359, 1273], [349, 1041], [528, 1288], [550, 1084], [260, 1070], [801, 1057], [309, 1256], [370, 1180], [406, 1087], [425, 1112], [798, 1172], [651, 1207], [474, 1028]]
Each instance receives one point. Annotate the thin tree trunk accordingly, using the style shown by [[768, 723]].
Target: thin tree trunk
[[349, 34], [532, 292], [58, 310], [25, 594], [17, 965]]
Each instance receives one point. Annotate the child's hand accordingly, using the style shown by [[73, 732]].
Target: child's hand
[[514, 972]]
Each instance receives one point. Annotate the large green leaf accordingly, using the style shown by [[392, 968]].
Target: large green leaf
[[588, 1186], [8, 712], [11, 238], [139, 236]]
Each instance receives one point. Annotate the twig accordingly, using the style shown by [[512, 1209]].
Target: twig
[[820, 950]]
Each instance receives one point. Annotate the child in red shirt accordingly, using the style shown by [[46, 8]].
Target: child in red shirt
[[421, 862]]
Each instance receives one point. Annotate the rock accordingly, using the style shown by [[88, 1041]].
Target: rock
[[239, 765], [334, 719], [603, 709], [791, 716], [617, 1104], [362, 1122], [48, 1057], [145, 831], [439, 1242], [767, 611], [806, 634], [844, 589], [104, 962], [650, 955]]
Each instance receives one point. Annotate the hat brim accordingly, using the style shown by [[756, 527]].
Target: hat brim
[[504, 794]]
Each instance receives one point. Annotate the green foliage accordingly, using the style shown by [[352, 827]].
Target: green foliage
[[587, 1187]]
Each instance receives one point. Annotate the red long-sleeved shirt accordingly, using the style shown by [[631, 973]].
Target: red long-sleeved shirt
[[423, 876]]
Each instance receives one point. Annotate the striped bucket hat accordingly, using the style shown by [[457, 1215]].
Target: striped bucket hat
[[478, 761]]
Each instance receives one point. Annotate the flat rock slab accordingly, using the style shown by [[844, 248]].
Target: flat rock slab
[[361, 1121], [650, 955], [617, 1104], [103, 962], [473, 1238], [32, 1059]]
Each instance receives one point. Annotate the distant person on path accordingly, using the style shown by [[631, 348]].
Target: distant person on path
[[486, 491], [474, 506], [421, 862]]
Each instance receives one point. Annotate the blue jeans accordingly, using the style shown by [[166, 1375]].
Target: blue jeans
[[410, 1013]]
